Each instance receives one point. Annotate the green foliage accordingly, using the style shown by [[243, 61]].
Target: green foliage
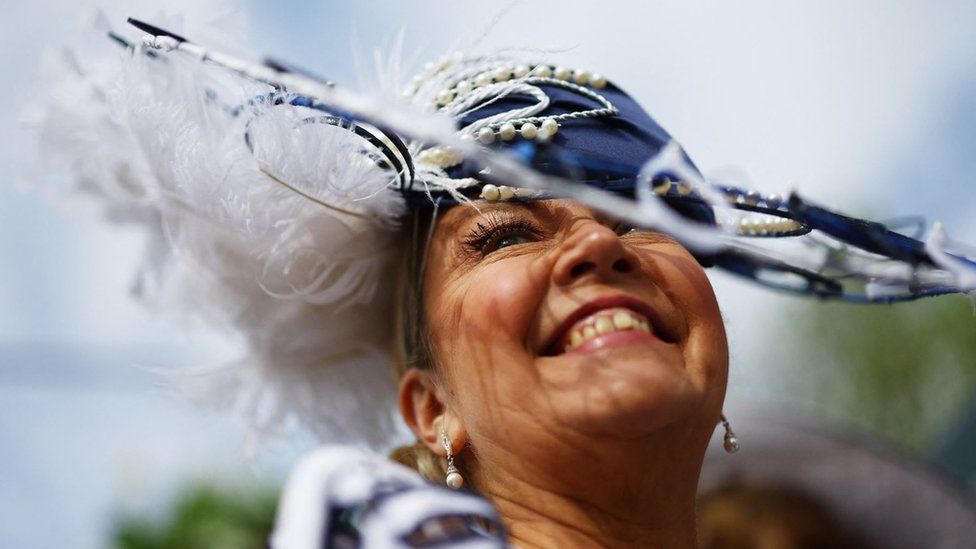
[[204, 517], [904, 371]]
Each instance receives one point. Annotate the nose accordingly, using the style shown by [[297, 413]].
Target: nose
[[592, 248]]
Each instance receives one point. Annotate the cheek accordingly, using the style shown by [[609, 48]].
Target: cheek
[[706, 350], [483, 336]]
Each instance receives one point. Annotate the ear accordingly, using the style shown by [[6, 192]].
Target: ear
[[422, 406]]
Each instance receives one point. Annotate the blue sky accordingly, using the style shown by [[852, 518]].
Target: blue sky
[[866, 107]]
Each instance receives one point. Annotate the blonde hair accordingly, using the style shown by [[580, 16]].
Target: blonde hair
[[412, 347]]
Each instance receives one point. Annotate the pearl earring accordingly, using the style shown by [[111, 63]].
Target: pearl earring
[[454, 478], [731, 442]]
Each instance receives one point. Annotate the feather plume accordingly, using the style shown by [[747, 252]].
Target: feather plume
[[160, 143]]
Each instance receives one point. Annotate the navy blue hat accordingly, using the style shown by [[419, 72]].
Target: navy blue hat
[[606, 151]]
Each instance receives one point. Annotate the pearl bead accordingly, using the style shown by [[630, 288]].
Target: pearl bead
[[445, 97], [429, 66], [663, 188], [752, 197], [507, 131], [501, 75], [483, 79], [506, 193], [520, 71], [490, 192], [581, 76], [454, 480], [549, 128], [529, 130], [462, 87], [542, 71], [598, 81], [731, 444], [561, 73], [486, 136]]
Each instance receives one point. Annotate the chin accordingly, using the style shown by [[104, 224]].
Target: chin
[[628, 391]]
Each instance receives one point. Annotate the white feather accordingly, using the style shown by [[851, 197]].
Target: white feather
[[306, 288]]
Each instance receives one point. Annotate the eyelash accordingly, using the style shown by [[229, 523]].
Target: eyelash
[[485, 235], [483, 238]]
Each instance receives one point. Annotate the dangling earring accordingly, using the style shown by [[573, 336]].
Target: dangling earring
[[454, 478], [731, 442]]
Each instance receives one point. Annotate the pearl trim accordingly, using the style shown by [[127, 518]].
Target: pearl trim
[[572, 79], [758, 224], [470, 83], [504, 193]]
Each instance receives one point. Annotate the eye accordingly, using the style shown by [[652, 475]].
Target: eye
[[511, 240], [622, 228], [495, 234]]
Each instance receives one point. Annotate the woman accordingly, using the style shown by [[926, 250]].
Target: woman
[[578, 368], [559, 348]]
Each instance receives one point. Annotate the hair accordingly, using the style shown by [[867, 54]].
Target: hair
[[412, 346]]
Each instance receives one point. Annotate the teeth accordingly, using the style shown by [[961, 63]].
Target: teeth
[[622, 320], [616, 321]]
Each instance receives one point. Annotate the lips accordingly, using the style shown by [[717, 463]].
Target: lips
[[608, 318]]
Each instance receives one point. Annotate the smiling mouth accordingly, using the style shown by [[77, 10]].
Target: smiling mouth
[[605, 322], [608, 321]]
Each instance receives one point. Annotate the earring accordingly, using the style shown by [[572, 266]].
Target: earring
[[731, 442], [454, 478]]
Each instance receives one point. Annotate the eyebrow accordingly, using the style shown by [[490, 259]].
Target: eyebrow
[[481, 208]]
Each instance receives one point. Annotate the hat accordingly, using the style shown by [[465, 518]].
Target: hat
[[273, 198], [886, 497]]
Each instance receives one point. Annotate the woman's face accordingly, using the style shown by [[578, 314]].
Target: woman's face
[[548, 319]]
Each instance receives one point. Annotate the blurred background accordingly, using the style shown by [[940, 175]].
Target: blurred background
[[867, 108]]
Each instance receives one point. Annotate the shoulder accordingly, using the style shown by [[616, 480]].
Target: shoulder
[[344, 496]]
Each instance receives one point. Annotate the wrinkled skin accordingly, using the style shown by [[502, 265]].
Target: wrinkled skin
[[601, 446]]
